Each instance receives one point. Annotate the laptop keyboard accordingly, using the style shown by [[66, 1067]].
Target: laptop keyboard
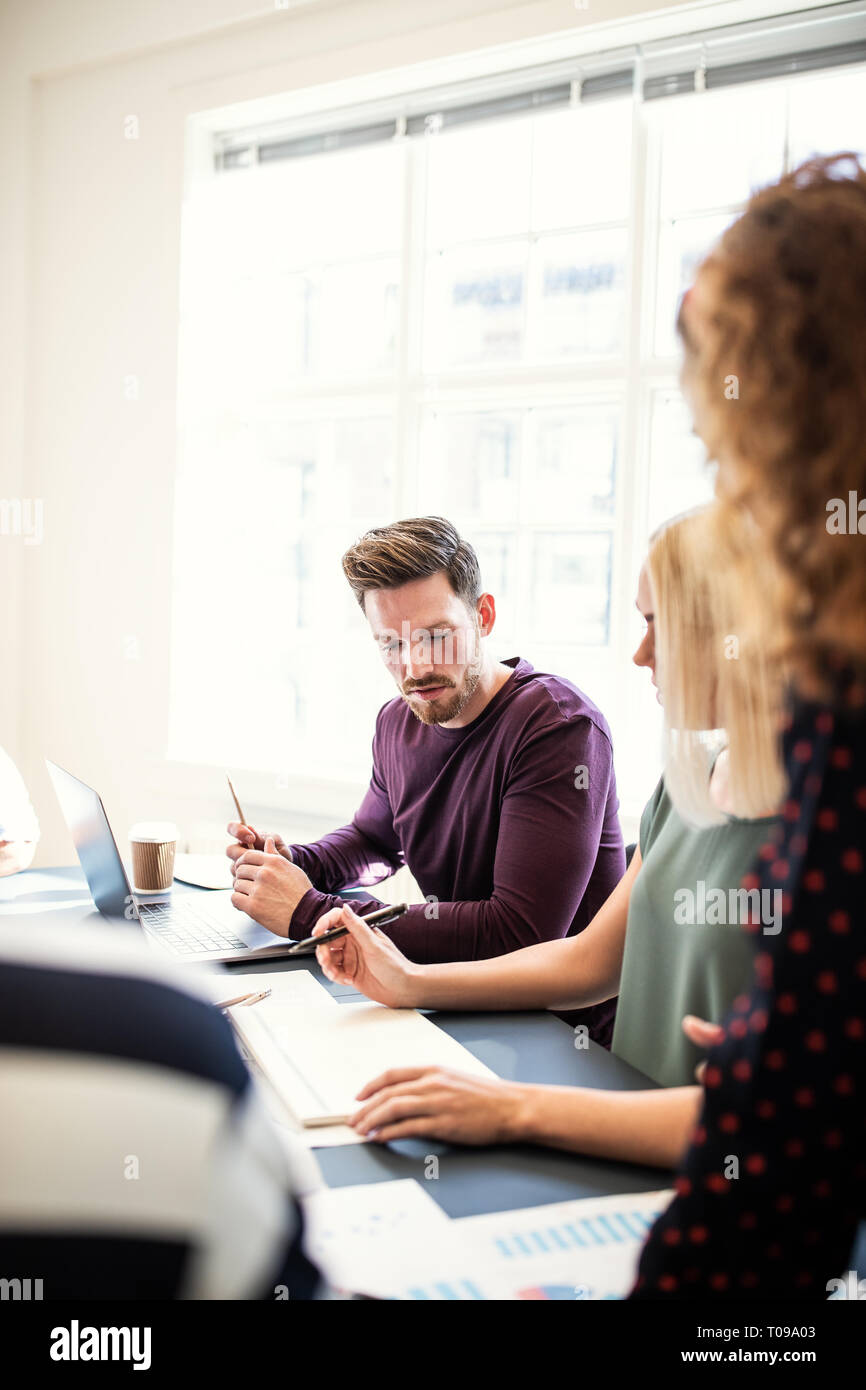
[[187, 929]]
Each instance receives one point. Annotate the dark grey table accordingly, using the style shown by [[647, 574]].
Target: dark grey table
[[517, 1046]]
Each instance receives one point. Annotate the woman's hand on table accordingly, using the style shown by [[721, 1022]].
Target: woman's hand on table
[[405, 1102]]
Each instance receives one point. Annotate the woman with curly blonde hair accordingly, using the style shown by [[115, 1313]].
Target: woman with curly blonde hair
[[771, 1190]]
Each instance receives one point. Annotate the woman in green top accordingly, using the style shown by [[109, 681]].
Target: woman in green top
[[664, 940], [686, 952]]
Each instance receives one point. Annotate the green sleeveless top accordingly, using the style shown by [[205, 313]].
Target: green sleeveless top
[[685, 950]]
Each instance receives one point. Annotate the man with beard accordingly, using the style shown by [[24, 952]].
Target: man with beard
[[492, 781]]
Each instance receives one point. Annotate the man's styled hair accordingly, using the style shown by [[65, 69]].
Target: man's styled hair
[[393, 555]]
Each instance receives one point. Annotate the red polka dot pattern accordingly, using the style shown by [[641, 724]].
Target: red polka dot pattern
[[784, 1090]]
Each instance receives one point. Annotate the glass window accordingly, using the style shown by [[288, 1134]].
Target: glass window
[[470, 461], [575, 464], [680, 477], [476, 304], [827, 115], [571, 587], [458, 323], [478, 182], [579, 308], [581, 166], [683, 243], [719, 146]]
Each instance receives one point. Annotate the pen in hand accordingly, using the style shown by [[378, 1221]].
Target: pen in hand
[[381, 917]]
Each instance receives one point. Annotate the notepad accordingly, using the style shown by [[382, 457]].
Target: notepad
[[203, 870], [295, 987], [317, 1057]]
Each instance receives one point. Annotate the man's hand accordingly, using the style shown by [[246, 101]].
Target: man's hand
[[368, 960], [268, 888], [408, 1101], [250, 838]]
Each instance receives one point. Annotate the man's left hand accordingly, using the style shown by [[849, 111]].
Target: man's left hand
[[268, 888]]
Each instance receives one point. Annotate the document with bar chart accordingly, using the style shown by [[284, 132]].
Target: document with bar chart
[[585, 1249], [392, 1240]]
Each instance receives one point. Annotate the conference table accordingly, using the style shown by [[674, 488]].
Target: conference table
[[524, 1047]]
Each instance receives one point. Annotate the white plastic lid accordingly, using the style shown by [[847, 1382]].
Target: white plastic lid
[[153, 832]]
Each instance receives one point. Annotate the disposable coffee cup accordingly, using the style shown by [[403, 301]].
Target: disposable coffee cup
[[153, 844]]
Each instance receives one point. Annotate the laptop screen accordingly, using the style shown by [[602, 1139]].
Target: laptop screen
[[95, 844]]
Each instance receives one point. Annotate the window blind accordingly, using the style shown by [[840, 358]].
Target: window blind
[[782, 46]]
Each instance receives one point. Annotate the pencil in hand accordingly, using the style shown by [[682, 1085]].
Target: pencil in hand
[[241, 817]]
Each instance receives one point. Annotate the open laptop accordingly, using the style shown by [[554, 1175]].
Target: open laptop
[[195, 926]]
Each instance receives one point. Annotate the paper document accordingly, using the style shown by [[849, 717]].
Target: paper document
[[585, 1249], [318, 1058], [392, 1240], [369, 1238]]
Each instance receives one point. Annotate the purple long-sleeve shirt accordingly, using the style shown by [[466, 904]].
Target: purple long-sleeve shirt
[[508, 825]]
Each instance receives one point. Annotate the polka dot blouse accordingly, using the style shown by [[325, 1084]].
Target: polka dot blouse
[[771, 1189]]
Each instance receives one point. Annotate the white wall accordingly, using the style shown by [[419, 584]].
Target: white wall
[[89, 233]]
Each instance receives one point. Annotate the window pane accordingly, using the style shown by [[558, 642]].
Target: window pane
[[679, 475], [571, 587], [581, 166], [244, 338], [475, 305], [719, 146], [497, 557], [358, 315], [683, 244], [362, 483], [478, 181], [575, 467], [828, 115], [469, 464], [334, 206], [580, 309]]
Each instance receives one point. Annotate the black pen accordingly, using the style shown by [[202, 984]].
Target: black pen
[[378, 918]]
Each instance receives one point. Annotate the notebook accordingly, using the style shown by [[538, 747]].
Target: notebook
[[318, 1056]]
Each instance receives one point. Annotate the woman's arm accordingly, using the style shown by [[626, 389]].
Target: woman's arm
[[563, 974], [652, 1127], [567, 974]]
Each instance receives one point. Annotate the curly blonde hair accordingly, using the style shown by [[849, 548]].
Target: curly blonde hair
[[774, 332]]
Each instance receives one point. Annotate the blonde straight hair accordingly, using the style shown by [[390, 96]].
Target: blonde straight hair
[[719, 685]]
